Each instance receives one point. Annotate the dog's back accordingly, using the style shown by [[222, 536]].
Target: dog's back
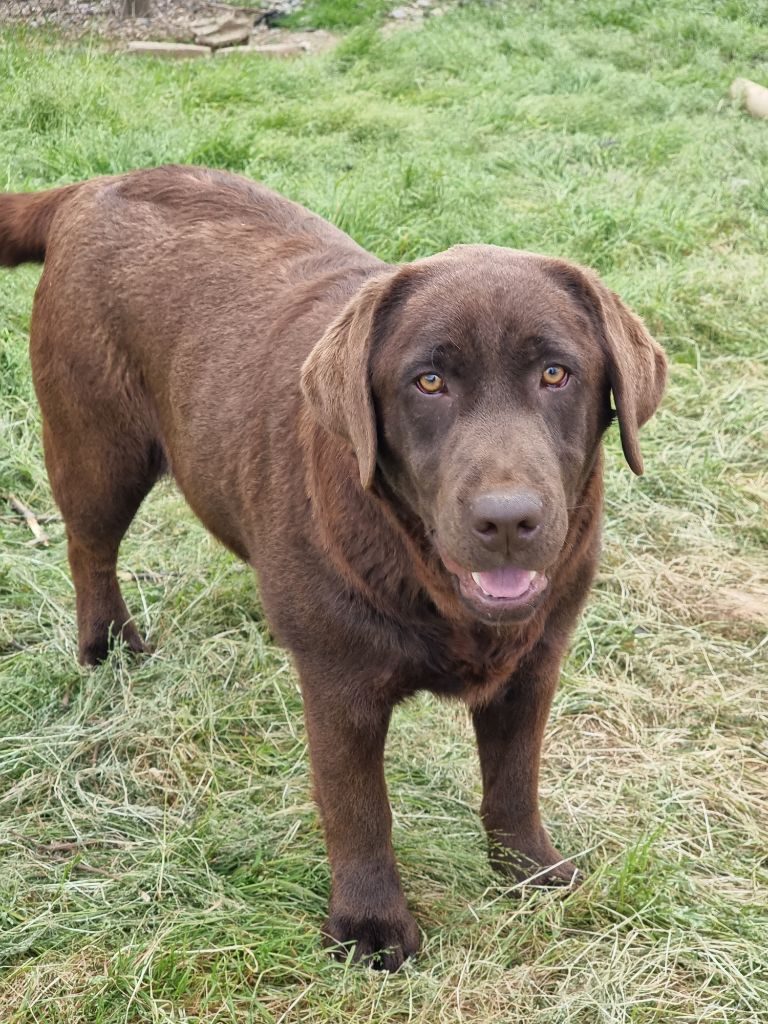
[[165, 298]]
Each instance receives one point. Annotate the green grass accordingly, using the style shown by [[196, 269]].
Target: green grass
[[339, 14], [160, 857]]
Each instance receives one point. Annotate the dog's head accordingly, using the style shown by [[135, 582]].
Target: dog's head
[[479, 383]]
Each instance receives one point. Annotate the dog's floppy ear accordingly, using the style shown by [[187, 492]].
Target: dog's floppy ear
[[637, 367], [335, 377]]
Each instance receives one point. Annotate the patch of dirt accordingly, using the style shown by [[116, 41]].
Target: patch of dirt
[[745, 605], [408, 13], [170, 19]]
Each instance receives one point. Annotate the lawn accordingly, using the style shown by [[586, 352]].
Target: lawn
[[160, 855]]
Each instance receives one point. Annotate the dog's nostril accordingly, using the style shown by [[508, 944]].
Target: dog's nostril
[[527, 526], [487, 528]]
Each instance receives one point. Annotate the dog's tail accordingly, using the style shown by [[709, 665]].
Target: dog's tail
[[25, 220]]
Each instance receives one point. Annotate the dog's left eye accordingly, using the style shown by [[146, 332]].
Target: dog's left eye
[[430, 383], [555, 376]]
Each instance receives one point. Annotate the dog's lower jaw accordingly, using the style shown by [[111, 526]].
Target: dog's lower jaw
[[485, 606]]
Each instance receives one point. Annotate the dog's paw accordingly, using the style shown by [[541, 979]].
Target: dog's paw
[[557, 873], [537, 864], [95, 648], [383, 941]]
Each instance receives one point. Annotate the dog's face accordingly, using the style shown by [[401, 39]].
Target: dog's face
[[479, 382]]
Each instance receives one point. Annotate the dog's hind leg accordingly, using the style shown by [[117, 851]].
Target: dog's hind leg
[[99, 487], [102, 456]]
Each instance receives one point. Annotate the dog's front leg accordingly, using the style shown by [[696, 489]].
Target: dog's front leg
[[509, 733], [346, 742]]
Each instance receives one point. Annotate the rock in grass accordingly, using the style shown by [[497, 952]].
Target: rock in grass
[[227, 31], [175, 51], [269, 50], [753, 97], [281, 49]]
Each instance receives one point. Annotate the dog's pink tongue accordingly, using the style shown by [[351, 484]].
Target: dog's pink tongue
[[504, 582]]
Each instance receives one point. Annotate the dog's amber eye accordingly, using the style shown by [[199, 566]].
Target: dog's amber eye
[[554, 376], [430, 383]]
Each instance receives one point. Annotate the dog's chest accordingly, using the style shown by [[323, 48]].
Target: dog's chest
[[470, 663]]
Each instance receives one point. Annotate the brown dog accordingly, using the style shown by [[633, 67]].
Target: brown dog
[[408, 456]]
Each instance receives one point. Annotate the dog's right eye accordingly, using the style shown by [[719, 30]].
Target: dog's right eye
[[430, 383]]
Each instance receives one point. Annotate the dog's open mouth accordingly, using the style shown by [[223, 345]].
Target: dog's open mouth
[[502, 590], [507, 592], [506, 584]]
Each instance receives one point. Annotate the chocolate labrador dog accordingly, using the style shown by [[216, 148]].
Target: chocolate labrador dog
[[409, 457]]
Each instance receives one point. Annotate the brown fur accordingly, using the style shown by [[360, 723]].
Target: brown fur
[[194, 322]]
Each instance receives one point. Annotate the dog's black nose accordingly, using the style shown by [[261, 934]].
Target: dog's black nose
[[505, 520]]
